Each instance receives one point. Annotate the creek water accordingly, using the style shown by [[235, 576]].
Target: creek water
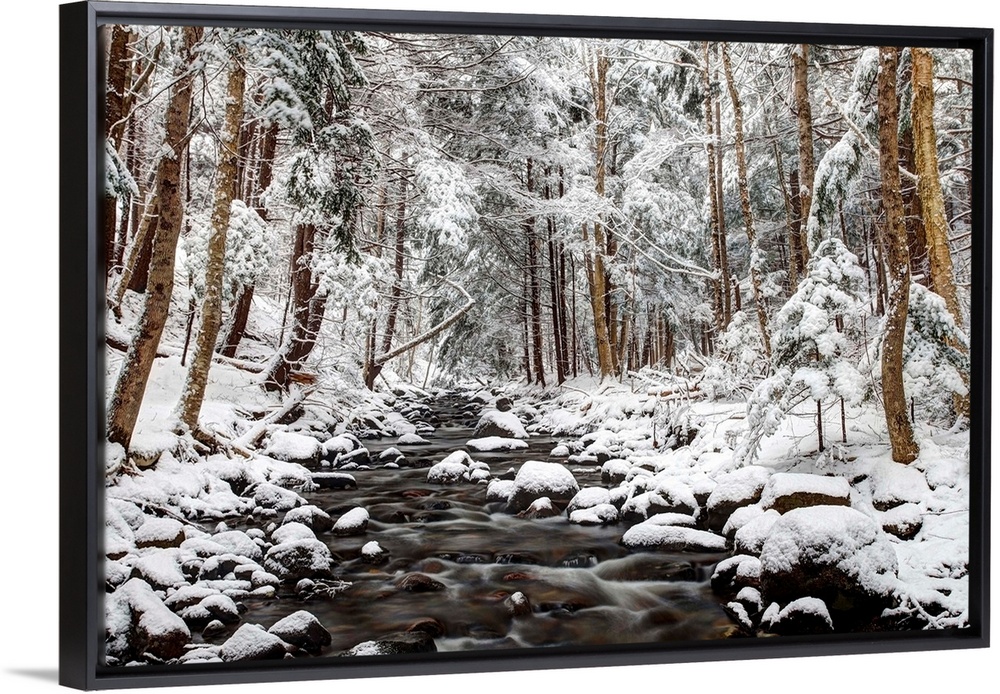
[[582, 586]]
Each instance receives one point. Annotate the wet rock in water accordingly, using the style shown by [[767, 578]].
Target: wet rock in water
[[354, 522], [504, 404], [733, 574], [645, 567], [419, 583], [252, 642], [602, 514], [517, 558], [833, 553], [334, 480], [373, 553], [160, 532], [665, 537], [803, 616], [302, 629], [739, 614], [536, 479], [138, 622], [358, 458], [750, 538], [787, 490], [517, 604], [291, 561], [451, 470], [579, 560], [313, 517], [903, 521], [428, 625], [294, 448], [394, 644], [502, 424], [742, 487], [213, 629]]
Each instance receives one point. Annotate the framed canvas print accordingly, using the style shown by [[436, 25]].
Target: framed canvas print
[[427, 342]]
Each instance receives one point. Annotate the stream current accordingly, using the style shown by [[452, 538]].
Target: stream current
[[582, 586]]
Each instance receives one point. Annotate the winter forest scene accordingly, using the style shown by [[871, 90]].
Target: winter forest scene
[[422, 343]]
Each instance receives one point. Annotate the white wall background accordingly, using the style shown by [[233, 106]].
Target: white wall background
[[29, 389]]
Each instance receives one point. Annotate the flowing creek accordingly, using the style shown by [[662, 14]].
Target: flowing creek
[[583, 587]]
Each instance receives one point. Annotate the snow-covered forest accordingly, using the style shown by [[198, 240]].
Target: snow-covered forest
[[446, 342]]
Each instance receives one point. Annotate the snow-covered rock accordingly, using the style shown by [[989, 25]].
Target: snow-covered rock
[[787, 490], [138, 622], [903, 521], [734, 573], [503, 424], [252, 642], [238, 542], [372, 552], [293, 448], [450, 470], [290, 532], [334, 480], [749, 539], [499, 490], [802, 616], [160, 532], [833, 553], [161, 569], [588, 497], [297, 559], [599, 514], [539, 508], [614, 472], [741, 487], [354, 522], [536, 479], [272, 496], [660, 534], [302, 629], [492, 444], [894, 484], [310, 516], [412, 440]]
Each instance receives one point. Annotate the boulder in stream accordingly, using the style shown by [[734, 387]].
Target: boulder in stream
[[536, 479]]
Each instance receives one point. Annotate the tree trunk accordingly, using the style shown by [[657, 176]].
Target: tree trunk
[[942, 276], [373, 369], [227, 180], [807, 163], [130, 386], [533, 281], [594, 254], [720, 284], [727, 306], [558, 319], [904, 447], [756, 258]]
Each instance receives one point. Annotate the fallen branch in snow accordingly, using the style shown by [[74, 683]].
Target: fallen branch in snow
[[433, 332], [116, 342], [249, 439]]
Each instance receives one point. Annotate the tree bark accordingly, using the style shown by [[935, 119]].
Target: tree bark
[[130, 385], [904, 447], [597, 278], [534, 284], [807, 163], [227, 182], [720, 285], [373, 369], [756, 258]]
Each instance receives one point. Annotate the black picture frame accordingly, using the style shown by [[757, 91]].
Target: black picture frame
[[81, 339]]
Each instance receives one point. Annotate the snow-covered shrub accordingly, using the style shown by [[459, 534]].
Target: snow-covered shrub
[[810, 345]]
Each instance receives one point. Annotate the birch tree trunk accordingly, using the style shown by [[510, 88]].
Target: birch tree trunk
[[756, 258], [193, 394], [807, 162], [904, 447]]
